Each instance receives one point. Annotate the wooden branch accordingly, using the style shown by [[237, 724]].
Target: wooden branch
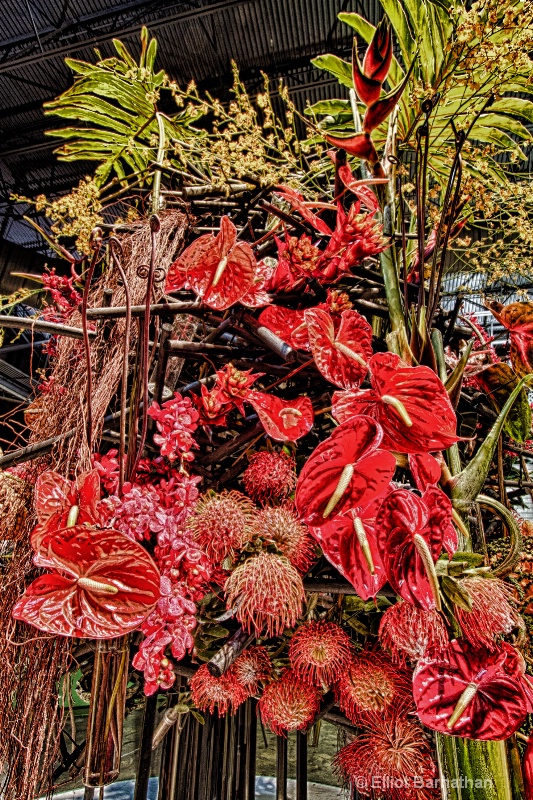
[[53, 328], [230, 447], [117, 312]]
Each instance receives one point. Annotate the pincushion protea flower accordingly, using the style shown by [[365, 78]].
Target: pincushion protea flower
[[370, 684], [289, 704], [224, 693], [320, 652], [280, 527], [251, 667], [267, 592], [409, 632], [221, 523], [392, 754], [491, 614], [270, 476]]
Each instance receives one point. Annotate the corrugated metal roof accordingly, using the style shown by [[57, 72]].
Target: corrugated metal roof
[[197, 40]]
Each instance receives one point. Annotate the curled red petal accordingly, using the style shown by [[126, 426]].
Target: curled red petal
[[368, 88], [360, 145], [188, 261], [518, 319], [283, 420], [421, 393], [379, 110], [360, 187], [355, 445], [298, 201], [425, 469], [378, 57], [102, 585], [341, 357], [55, 496], [289, 325], [497, 708]]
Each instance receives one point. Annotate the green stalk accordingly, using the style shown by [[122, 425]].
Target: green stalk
[[156, 188]]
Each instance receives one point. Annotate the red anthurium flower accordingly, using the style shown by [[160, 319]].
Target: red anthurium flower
[[257, 294], [346, 470], [233, 384], [283, 420], [412, 531], [410, 403], [425, 469], [298, 202], [102, 585], [340, 356], [356, 236], [349, 542], [466, 691], [60, 503], [527, 769], [289, 325], [368, 78], [518, 319], [219, 269]]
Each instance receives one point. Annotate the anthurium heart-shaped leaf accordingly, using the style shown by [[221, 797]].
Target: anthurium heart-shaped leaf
[[283, 420], [498, 381], [425, 469], [346, 470], [60, 503], [341, 357], [466, 691]]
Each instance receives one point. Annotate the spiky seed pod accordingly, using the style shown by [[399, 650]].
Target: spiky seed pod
[[221, 523], [392, 755], [320, 652], [270, 476], [224, 693], [492, 614], [289, 704], [268, 593], [281, 528], [407, 632], [370, 684], [252, 667]]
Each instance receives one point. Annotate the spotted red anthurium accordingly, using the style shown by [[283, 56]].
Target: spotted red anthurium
[[346, 470], [412, 531], [283, 420], [341, 356], [410, 403], [219, 269], [102, 585], [288, 324], [60, 503], [466, 691]]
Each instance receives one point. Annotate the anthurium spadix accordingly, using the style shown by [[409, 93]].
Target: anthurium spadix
[[346, 470], [470, 691], [410, 403], [412, 531]]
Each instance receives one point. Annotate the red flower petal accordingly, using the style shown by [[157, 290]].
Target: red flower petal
[[527, 769], [360, 187], [289, 325], [518, 319], [497, 708], [344, 471], [343, 548], [402, 521], [191, 257], [427, 422], [283, 420], [102, 585], [425, 469], [297, 201], [55, 496], [360, 145], [341, 358]]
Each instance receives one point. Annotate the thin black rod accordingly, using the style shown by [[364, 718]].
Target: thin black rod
[[301, 766], [145, 751], [281, 768]]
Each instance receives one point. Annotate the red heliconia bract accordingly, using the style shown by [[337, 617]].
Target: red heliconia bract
[[289, 704], [341, 356], [371, 684], [410, 403], [369, 77], [408, 632], [518, 319], [346, 470], [289, 325], [224, 693], [466, 691], [219, 269], [103, 585], [60, 503], [349, 542], [360, 145], [283, 420], [412, 532], [319, 652]]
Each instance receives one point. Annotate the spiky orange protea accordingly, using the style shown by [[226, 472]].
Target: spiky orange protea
[[390, 759], [320, 652], [267, 592], [492, 614], [281, 528], [270, 476], [409, 632], [221, 523], [252, 667], [224, 693], [370, 684], [289, 704]]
